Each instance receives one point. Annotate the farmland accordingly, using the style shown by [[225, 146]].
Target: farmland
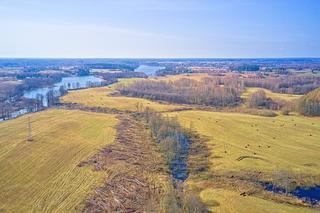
[[192, 76], [160, 106], [42, 175], [102, 97], [188, 142], [245, 147], [232, 135], [270, 94], [228, 201]]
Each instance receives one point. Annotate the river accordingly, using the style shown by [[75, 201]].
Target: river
[[70, 83], [67, 83]]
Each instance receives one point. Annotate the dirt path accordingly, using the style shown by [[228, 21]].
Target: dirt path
[[137, 179]]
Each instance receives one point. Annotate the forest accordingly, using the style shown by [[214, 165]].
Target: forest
[[208, 92], [291, 84]]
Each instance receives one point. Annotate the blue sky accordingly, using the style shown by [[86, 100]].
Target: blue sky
[[163, 28]]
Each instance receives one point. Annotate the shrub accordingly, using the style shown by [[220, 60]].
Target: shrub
[[309, 104], [285, 112]]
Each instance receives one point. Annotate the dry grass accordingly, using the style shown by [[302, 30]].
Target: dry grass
[[226, 201], [193, 76], [282, 141], [101, 97], [138, 177], [42, 175], [254, 148], [270, 94]]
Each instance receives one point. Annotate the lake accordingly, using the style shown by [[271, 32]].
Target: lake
[[148, 70]]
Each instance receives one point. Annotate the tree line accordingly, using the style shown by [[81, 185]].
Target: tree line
[[309, 104], [174, 143], [209, 91], [284, 84], [259, 99]]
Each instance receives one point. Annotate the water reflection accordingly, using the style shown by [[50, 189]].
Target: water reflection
[[46, 96], [308, 194], [67, 83]]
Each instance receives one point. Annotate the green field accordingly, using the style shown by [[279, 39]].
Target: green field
[[42, 175]]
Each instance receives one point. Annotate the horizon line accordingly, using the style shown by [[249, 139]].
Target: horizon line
[[141, 58]]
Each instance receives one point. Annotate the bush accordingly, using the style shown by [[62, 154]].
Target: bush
[[193, 204], [285, 112], [257, 99]]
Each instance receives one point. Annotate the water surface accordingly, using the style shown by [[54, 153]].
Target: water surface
[[308, 194], [148, 70], [179, 164], [68, 83]]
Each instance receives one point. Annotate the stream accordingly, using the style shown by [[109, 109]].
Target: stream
[[308, 194], [179, 164]]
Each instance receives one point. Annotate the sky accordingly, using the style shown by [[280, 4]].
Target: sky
[[159, 28]]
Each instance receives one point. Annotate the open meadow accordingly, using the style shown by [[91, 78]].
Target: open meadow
[[192, 76], [102, 97], [247, 147], [242, 143], [229, 201], [43, 175], [243, 149], [273, 95], [160, 106]]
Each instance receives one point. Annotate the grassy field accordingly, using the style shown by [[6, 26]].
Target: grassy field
[[240, 145], [100, 97], [266, 144], [226, 201], [42, 175], [244, 145], [193, 76], [270, 94]]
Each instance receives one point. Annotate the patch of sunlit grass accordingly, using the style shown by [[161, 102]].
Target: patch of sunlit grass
[[42, 175]]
